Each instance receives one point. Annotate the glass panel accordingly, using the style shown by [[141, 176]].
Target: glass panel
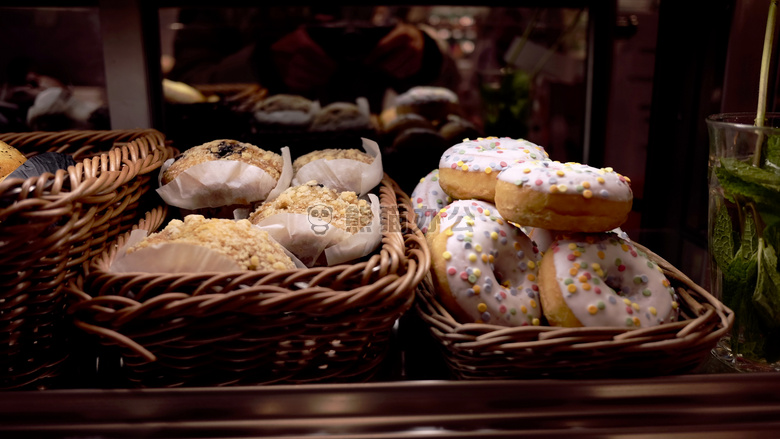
[[517, 72], [51, 70]]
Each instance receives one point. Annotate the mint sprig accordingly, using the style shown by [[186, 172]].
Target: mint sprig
[[744, 246]]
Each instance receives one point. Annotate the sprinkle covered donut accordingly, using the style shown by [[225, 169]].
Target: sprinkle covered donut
[[563, 196], [469, 169], [484, 268], [602, 280], [428, 198]]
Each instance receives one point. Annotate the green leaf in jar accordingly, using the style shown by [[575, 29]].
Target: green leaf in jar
[[739, 278], [772, 233], [773, 153], [734, 186], [749, 240], [766, 296], [752, 174], [723, 239], [739, 283]]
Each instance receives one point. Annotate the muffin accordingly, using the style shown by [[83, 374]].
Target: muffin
[[250, 247], [341, 169], [332, 154], [343, 210], [225, 149]]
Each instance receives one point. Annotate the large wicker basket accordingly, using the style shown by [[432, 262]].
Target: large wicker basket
[[52, 225], [321, 324], [480, 351]]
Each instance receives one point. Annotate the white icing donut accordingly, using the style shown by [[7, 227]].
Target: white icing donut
[[469, 169], [485, 269], [602, 280], [543, 238], [428, 198], [564, 196]]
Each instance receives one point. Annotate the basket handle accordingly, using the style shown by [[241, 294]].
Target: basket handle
[[117, 338]]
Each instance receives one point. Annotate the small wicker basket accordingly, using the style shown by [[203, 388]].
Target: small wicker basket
[[480, 351], [51, 225], [321, 324]]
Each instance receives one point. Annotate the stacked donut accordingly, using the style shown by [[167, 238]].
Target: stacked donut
[[531, 241]]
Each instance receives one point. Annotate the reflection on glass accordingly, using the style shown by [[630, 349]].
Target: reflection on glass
[[51, 70]]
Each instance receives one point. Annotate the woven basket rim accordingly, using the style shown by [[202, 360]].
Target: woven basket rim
[[709, 321], [137, 151]]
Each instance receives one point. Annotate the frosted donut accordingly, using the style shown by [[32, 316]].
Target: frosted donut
[[428, 198], [563, 196], [543, 238], [602, 280], [484, 268], [469, 169]]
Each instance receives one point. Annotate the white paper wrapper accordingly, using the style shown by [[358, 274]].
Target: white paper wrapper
[[343, 174], [308, 238], [174, 257], [221, 183]]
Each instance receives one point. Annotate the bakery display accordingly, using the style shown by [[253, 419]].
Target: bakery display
[[433, 103], [341, 116], [516, 225], [319, 207], [484, 268], [400, 123], [456, 129], [469, 169], [177, 92], [564, 196], [602, 280], [285, 111], [427, 108], [248, 247]]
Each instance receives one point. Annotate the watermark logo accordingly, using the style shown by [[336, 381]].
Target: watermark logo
[[320, 217]]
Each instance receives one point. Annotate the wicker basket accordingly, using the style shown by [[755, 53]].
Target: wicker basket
[[321, 324], [480, 351], [50, 226]]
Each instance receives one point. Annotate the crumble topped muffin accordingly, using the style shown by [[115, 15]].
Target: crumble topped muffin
[[250, 247], [345, 210], [226, 149], [332, 154]]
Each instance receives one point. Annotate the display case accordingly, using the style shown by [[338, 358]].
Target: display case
[[604, 83]]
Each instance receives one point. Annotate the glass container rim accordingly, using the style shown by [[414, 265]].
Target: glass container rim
[[718, 120]]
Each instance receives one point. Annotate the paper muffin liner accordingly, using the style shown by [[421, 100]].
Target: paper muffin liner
[[175, 257], [220, 183], [309, 238], [344, 174]]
